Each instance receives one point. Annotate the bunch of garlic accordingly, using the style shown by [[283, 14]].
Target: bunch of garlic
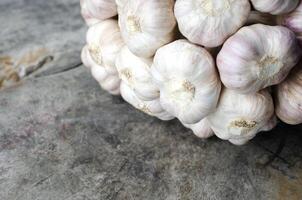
[[221, 67]]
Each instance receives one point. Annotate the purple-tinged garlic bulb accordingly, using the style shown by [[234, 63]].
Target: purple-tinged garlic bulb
[[187, 79], [146, 25], [275, 7], [210, 22], [94, 11], [152, 108], [256, 57], [201, 129], [293, 21], [238, 117], [135, 72], [109, 82], [289, 97]]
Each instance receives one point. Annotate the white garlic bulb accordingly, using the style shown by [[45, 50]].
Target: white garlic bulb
[[152, 108], [89, 19], [201, 129], [135, 72], [210, 22], [187, 79], [239, 117], [104, 43], [275, 7], [94, 11], [289, 97], [146, 25], [293, 21], [257, 56], [109, 82]]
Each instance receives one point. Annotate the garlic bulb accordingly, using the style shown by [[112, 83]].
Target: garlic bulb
[[239, 117], [135, 72], [146, 25], [109, 82], [210, 22], [187, 79], [293, 21], [89, 19], [289, 97], [201, 129], [152, 108], [104, 44], [257, 56], [275, 7], [94, 11]]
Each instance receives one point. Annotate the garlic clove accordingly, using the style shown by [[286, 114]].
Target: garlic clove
[[293, 21], [104, 44], [210, 22], [289, 97], [256, 57], [152, 108], [187, 79], [201, 129], [275, 7], [135, 72], [238, 117], [146, 25]]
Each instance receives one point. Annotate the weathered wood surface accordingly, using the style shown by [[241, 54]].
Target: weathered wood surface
[[62, 137]]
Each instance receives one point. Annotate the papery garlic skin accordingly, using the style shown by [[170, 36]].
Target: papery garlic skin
[[201, 129], [210, 22], [104, 43], [135, 72], [152, 108], [187, 79], [95, 11], [109, 82], [256, 57], [293, 21], [146, 25], [289, 98], [238, 117], [275, 7]]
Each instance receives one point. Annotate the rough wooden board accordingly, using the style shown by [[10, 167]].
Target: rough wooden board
[[62, 137]]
